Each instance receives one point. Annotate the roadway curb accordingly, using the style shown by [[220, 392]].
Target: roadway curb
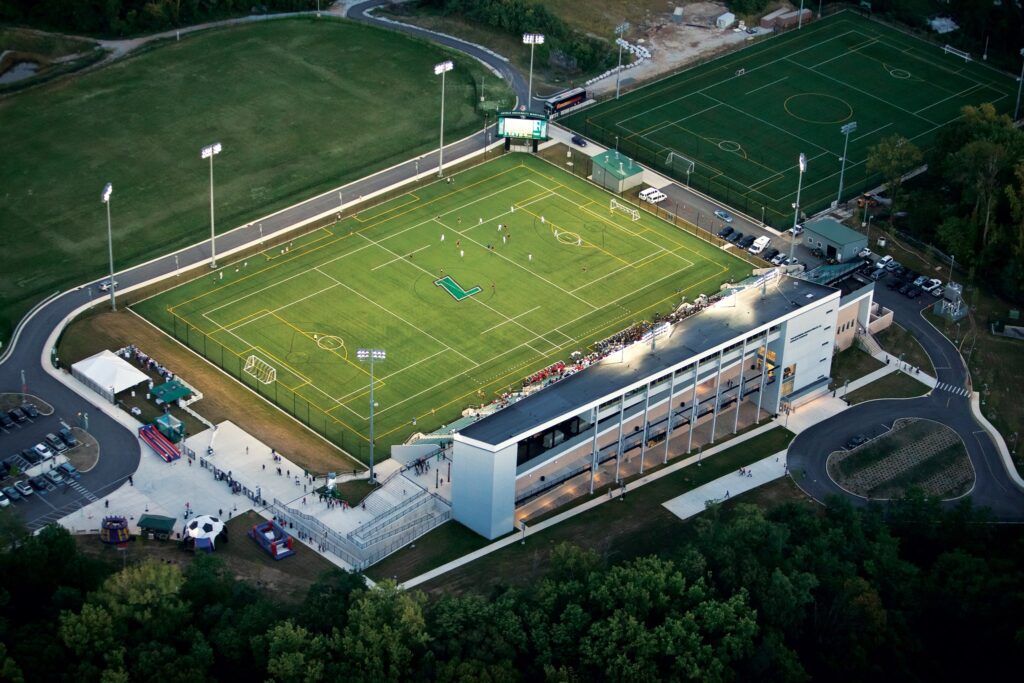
[[21, 324]]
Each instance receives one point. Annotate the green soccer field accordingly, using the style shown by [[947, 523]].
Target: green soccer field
[[463, 310], [739, 123]]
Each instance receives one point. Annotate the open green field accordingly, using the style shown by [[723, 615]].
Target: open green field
[[562, 273], [300, 105], [740, 122]]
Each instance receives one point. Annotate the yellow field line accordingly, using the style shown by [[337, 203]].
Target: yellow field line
[[262, 311], [309, 336], [303, 245], [415, 199]]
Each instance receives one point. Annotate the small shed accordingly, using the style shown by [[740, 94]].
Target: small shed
[[677, 15], [725, 20], [794, 18], [834, 239], [768, 20], [108, 374], [616, 172]]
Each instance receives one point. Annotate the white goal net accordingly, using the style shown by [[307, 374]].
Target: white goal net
[[626, 209], [263, 371], [950, 50], [675, 159]]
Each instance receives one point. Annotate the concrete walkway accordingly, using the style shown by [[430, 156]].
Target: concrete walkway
[[696, 501]]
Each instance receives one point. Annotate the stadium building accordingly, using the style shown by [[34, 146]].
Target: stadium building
[[762, 346]]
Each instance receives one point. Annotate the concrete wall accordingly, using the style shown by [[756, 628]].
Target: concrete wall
[[483, 488], [807, 341]]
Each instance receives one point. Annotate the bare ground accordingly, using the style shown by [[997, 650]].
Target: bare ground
[[223, 397]]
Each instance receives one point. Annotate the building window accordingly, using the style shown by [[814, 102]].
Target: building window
[[827, 328]]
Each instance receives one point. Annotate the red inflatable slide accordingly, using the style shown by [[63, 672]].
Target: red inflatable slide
[[159, 443]]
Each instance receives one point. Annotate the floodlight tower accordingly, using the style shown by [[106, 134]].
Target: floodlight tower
[[1020, 81], [209, 152], [371, 355], [533, 40], [620, 30], [439, 70], [845, 130], [108, 190], [796, 205]]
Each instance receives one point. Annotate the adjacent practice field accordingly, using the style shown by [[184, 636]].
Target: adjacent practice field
[[735, 126], [300, 106], [468, 287]]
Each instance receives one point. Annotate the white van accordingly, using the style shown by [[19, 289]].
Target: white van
[[759, 245], [652, 195]]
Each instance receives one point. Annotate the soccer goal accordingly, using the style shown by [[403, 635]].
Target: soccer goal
[[616, 205], [263, 371], [950, 50], [677, 158]]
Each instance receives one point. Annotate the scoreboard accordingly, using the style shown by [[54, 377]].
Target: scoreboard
[[522, 125]]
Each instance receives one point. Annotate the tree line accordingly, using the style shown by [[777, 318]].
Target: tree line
[[970, 204], [792, 594], [564, 47], [128, 17]]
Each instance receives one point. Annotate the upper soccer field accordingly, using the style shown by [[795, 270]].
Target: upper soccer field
[[468, 287], [740, 122]]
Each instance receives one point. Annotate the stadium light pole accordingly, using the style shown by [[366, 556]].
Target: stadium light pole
[[108, 190], [845, 130], [371, 355], [440, 70], [209, 152], [620, 30], [533, 40], [796, 205], [1020, 81], [800, 19]]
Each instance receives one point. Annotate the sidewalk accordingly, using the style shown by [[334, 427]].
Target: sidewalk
[[696, 501]]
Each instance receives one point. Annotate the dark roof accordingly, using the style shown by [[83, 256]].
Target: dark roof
[[729, 318], [835, 232], [617, 164], [157, 523]]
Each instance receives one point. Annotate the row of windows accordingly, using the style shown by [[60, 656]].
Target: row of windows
[[846, 326]]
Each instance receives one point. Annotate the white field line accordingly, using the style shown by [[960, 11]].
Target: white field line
[[871, 132], [388, 263], [634, 264], [763, 122], [848, 51], [384, 378], [395, 315], [766, 85], [505, 322], [756, 68], [957, 94], [657, 246]]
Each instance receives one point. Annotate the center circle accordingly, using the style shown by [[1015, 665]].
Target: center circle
[[729, 146], [901, 74], [567, 237], [330, 342], [816, 107]]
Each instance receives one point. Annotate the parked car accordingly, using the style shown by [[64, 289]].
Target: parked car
[[770, 255], [864, 253], [796, 230], [54, 442], [30, 410], [44, 452], [900, 271], [856, 441], [920, 280], [877, 274], [884, 261], [937, 292], [67, 436], [4, 501], [735, 237], [914, 292], [724, 215], [792, 261], [105, 285], [891, 266], [24, 488], [779, 259], [31, 456], [69, 470], [55, 477], [747, 241], [578, 141], [18, 415], [39, 483], [12, 493], [725, 232], [904, 288], [6, 422], [930, 286]]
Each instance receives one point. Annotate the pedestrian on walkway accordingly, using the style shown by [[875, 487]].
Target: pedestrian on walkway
[[130, 481], [106, 503]]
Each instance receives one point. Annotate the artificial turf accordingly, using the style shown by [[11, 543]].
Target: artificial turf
[[300, 106], [561, 273], [742, 120]]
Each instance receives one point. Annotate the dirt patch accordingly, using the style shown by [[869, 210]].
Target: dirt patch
[[286, 580], [223, 397], [86, 454], [11, 401]]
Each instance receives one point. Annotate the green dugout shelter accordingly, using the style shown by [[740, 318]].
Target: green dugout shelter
[[156, 526], [616, 172], [169, 392]]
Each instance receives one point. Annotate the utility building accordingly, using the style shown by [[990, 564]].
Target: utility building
[[616, 172], [834, 239]]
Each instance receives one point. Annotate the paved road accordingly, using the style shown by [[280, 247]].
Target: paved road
[[992, 489]]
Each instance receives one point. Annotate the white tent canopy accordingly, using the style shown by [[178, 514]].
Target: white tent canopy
[[108, 374]]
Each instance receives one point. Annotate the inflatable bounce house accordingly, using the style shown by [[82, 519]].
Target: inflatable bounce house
[[114, 530], [203, 532], [273, 539]]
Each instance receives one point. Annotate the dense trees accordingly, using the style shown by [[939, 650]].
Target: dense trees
[[126, 17], [795, 594]]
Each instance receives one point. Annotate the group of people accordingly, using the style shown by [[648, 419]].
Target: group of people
[[132, 352]]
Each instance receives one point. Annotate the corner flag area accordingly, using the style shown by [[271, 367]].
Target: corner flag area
[[468, 286]]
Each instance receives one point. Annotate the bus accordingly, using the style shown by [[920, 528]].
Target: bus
[[564, 101]]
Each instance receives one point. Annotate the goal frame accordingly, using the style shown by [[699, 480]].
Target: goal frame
[[615, 205], [262, 371]]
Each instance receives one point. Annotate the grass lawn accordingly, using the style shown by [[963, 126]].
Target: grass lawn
[[618, 531], [851, 364], [300, 106], [898, 342], [743, 119], [893, 385], [464, 311]]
